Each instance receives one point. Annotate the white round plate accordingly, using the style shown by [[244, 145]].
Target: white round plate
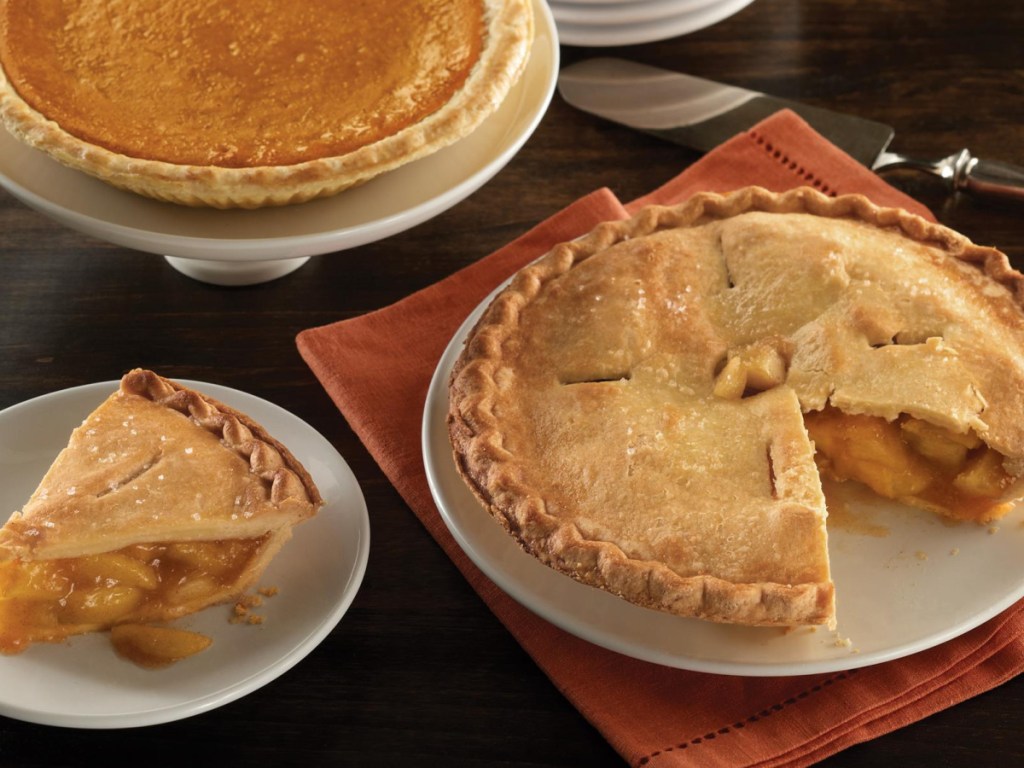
[[603, 4], [242, 246], [617, 13], [597, 34], [905, 580], [83, 684], [561, 3]]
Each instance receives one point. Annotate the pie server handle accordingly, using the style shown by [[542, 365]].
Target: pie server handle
[[964, 171]]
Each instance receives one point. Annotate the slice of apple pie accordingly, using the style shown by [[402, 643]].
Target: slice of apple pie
[[163, 503]]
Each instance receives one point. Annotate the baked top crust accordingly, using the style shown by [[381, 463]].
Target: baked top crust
[[253, 103], [590, 410], [159, 462]]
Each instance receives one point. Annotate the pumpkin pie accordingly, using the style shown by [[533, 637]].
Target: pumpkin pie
[[164, 502], [255, 102], [650, 409]]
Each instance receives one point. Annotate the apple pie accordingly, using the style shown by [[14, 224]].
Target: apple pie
[[650, 409], [251, 103], [164, 502]]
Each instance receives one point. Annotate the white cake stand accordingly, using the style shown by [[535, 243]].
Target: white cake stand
[[240, 247]]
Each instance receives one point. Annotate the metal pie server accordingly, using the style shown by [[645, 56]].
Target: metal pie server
[[701, 114]]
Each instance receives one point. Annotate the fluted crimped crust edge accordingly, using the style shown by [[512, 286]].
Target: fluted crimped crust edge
[[493, 474], [510, 33], [269, 460]]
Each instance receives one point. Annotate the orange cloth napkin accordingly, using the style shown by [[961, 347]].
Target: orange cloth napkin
[[377, 369]]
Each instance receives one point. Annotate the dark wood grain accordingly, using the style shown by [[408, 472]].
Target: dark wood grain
[[419, 670]]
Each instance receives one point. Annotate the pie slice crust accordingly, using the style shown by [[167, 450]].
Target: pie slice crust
[[634, 407], [164, 502], [252, 104]]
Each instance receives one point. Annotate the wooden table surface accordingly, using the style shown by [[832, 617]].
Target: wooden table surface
[[419, 669]]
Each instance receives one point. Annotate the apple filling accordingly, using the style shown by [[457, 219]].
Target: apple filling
[[912, 461], [154, 647], [50, 600]]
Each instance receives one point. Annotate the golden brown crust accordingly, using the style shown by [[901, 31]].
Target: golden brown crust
[[587, 414], [160, 462], [505, 49], [287, 479]]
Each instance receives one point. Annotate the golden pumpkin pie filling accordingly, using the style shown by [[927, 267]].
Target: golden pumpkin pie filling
[[164, 502], [258, 102], [650, 409]]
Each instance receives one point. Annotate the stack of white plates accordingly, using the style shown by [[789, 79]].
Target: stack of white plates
[[628, 22]]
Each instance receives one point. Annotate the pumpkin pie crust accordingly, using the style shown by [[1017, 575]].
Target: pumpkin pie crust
[[247, 104], [650, 409]]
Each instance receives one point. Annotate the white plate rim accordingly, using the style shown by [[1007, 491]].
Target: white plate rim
[[325, 459], [540, 77], [564, 612], [614, 14], [599, 35], [620, 3]]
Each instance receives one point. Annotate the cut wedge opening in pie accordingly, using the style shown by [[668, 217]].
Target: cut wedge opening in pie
[[163, 503], [915, 462], [651, 408]]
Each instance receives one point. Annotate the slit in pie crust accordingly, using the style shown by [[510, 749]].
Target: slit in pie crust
[[634, 407], [254, 102], [163, 503]]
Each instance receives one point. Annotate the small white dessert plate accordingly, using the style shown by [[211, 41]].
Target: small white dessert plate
[[84, 684]]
